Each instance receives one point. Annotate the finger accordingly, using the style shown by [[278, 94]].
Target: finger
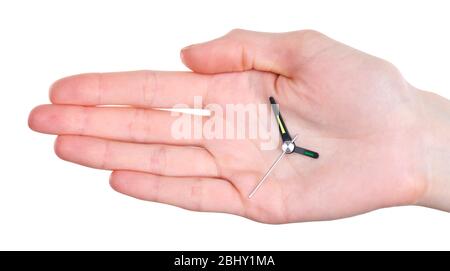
[[124, 124], [241, 50], [137, 88], [198, 194], [154, 158]]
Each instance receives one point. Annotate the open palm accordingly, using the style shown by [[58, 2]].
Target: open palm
[[354, 109]]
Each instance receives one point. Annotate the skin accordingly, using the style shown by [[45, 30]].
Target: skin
[[356, 110]]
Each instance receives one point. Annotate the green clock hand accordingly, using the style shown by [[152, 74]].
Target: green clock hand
[[306, 152]]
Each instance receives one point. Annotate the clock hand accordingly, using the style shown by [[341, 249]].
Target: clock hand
[[306, 152], [267, 174], [263, 179], [285, 136]]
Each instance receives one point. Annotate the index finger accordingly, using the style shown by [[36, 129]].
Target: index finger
[[147, 89]]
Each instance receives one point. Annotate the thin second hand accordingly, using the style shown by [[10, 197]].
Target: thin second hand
[[266, 175], [269, 171]]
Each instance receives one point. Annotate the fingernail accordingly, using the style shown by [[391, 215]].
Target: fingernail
[[183, 51], [182, 55], [188, 47]]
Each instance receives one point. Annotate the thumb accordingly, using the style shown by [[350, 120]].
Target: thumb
[[241, 50]]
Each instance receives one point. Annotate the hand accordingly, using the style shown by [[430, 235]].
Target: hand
[[356, 110]]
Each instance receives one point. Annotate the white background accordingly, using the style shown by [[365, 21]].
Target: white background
[[46, 203]]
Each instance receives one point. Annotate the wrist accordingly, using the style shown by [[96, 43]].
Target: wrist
[[435, 121]]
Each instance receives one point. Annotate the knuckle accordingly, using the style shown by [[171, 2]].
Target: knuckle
[[139, 126], [307, 34], [390, 76], [196, 196], [106, 155], [237, 32], [157, 160], [149, 87]]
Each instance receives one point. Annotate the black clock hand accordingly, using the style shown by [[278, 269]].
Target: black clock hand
[[285, 136], [306, 152]]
